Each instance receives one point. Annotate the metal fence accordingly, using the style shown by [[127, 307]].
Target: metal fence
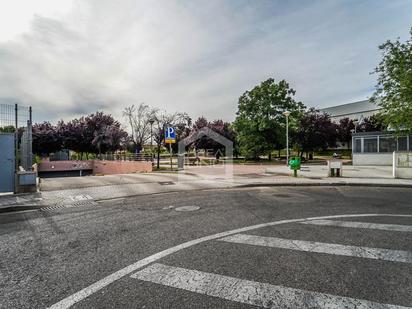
[[17, 119], [65, 155], [124, 157]]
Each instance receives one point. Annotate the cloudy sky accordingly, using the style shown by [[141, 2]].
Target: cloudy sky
[[71, 57]]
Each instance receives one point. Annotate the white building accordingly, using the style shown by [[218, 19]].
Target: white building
[[376, 148], [354, 111]]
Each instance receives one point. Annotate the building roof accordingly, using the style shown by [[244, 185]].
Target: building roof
[[351, 108]]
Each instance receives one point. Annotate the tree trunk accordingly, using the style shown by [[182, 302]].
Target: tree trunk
[[270, 156]]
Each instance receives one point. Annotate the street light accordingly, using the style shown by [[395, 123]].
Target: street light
[[287, 113]]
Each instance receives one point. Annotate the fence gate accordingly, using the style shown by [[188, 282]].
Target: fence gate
[[7, 162]]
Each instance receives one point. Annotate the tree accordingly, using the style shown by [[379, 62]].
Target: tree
[[95, 133], [316, 132], [74, 135], [345, 128], [371, 124], [260, 124], [394, 85], [219, 126], [139, 118], [7, 129], [103, 133], [162, 119], [204, 142], [46, 138]]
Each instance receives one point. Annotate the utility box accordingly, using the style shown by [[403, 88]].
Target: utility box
[[26, 181], [335, 168], [294, 164], [180, 162]]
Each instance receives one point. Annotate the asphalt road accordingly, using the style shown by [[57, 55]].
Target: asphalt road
[[356, 261]]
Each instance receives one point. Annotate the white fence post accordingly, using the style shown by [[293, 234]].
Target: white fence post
[[394, 165]]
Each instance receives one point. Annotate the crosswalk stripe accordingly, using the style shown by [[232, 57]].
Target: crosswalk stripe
[[362, 225], [249, 292], [319, 247]]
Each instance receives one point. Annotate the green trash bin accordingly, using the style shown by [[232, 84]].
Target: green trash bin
[[294, 164]]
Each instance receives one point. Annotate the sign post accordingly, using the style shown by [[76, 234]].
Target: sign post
[[170, 138]]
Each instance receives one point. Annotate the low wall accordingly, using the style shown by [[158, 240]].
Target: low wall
[[121, 167], [403, 172], [64, 166], [381, 159], [97, 167]]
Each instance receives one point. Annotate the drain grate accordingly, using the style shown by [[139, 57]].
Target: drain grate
[[71, 205]]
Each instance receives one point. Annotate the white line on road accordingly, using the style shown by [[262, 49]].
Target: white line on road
[[320, 247], [98, 285], [362, 225], [249, 292]]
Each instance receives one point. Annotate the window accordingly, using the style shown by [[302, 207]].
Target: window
[[402, 143], [370, 144], [358, 145], [387, 144]]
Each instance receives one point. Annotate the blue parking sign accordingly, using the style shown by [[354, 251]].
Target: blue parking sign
[[170, 135]]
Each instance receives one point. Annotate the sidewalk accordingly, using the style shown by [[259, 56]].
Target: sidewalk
[[20, 201], [60, 192]]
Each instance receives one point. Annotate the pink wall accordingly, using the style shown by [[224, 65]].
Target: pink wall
[[59, 166], [98, 167], [121, 167]]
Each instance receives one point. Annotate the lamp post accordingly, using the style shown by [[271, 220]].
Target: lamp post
[[151, 121], [287, 113]]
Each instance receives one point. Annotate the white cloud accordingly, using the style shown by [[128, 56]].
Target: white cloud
[[193, 56]]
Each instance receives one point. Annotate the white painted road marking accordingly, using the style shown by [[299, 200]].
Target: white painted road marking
[[249, 292], [320, 247], [98, 285], [362, 225]]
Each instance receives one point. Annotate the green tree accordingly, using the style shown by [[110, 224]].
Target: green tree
[[345, 128], [316, 132], [260, 124], [394, 87]]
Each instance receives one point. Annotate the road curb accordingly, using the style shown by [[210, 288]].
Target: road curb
[[324, 184], [17, 208]]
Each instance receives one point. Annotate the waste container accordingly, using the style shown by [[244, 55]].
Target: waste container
[[294, 164]]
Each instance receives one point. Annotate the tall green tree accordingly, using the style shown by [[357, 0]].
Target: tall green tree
[[260, 124], [394, 88]]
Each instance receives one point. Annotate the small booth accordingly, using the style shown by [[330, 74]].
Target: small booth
[[376, 148]]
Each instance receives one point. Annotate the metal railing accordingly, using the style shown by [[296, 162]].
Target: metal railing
[[124, 157]]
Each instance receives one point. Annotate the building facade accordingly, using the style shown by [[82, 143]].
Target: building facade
[[354, 111], [376, 148]]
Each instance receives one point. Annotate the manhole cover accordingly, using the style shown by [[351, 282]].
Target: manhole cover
[[187, 208]]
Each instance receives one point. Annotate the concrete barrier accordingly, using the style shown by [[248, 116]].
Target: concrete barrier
[[97, 167]]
